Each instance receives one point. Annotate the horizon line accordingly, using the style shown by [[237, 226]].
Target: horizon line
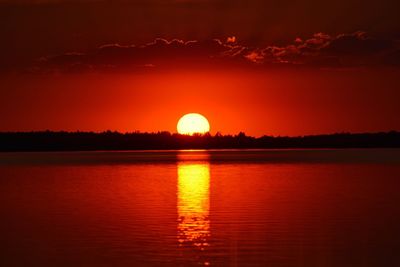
[[217, 133]]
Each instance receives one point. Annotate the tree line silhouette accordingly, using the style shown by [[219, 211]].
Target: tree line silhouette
[[109, 140]]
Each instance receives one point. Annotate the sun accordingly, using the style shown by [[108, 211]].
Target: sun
[[193, 123]]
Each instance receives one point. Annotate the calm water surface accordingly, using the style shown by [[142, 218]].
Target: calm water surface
[[200, 208]]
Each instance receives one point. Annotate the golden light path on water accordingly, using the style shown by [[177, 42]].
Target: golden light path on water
[[193, 204]]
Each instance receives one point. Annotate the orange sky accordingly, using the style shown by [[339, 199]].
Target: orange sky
[[259, 66], [273, 102]]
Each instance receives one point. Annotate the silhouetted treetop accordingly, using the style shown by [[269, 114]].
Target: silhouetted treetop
[[111, 140]]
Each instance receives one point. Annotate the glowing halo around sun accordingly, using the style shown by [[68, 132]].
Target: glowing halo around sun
[[193, 123]]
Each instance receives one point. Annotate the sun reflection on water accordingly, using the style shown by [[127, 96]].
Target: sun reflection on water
[[193, 204]]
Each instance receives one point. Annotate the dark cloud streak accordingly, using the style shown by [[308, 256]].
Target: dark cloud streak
[[320, 51], [33, 28]]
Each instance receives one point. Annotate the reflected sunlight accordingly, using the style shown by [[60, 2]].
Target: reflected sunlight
[[193, 204]]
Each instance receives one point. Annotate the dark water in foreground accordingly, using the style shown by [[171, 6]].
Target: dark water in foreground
[[199, 208]]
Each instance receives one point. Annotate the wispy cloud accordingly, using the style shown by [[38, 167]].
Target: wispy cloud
[[320, 50]]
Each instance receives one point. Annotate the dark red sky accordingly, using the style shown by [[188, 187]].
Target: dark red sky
[[294, 67]]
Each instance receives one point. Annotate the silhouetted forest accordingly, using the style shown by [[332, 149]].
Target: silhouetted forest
[[75, 141]]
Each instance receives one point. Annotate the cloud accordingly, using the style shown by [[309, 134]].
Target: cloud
[[231, 39], [343, 50], [159, 53], [320, 50]]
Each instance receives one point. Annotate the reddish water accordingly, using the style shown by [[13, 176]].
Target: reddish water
[[230, 208]]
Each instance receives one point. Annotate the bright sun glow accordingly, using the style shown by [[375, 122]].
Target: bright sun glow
[[193, 123]]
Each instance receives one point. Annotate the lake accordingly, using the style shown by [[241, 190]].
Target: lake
[[200, 208]]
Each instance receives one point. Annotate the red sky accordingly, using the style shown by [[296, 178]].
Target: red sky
[[274, 102], [293, 68]]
